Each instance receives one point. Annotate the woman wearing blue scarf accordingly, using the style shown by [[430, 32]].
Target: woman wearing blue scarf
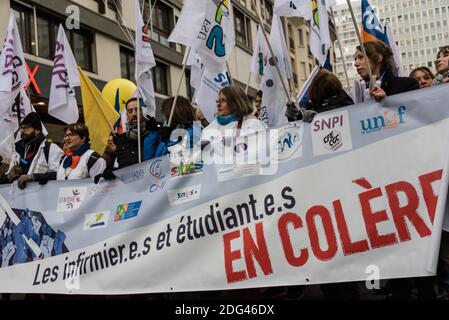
[[234, 117]]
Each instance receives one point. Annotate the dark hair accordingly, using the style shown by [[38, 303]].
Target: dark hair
[[142, 103], [375, 48], [259, 94], [324, 85], [237, 100], [184, 112], [443, 49], [80, 129], [422, 69]]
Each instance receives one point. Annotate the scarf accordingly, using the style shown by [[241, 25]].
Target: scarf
[[28, 151], [132, 132], [73, 158], [225, 120]]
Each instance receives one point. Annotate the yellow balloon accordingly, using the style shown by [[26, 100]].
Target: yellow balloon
[[126, 91]]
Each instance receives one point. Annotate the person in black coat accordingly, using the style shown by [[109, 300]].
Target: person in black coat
[[382, 65], [325, 93], [127, 152]]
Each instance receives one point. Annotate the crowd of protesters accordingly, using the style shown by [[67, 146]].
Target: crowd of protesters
[[40, 161]]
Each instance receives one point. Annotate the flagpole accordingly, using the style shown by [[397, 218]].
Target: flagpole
[[124, 29], [290, 81], [357, 31], [231, 81], [184, 63], [253, 4], [247, 83], [341, 51]]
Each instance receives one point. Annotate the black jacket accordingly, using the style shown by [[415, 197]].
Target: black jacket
[[394, 85], [334, 102], [127, 153]]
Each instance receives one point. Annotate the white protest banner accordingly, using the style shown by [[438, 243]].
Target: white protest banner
[[359, 186], [62, 104], [207, 93]]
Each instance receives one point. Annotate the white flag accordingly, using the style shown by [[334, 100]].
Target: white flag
[[293, 8], [397, 58], [319, 35], [259, 56], [211, 84], [274, 101], [144, 62], [196, 71], [277, 41], [207, 27], [13, 74], [62, 104]]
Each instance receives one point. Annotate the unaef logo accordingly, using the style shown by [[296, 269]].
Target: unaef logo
[[388, 120]]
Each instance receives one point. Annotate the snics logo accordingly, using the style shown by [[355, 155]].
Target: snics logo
[[388, 120]]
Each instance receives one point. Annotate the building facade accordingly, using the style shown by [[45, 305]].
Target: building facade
[[420, 28], [103, 48]]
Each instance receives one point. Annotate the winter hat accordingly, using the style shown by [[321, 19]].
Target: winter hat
[[32, 120]]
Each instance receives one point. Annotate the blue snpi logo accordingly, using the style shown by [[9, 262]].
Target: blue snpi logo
[[388, 120]]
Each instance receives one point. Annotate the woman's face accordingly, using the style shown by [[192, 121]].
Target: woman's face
[[222, 106], [423, 78], [73, 141], [442, 62]]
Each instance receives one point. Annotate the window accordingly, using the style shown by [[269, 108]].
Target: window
[[127, 63], [291, 38], [25, 23], [242, 29], [163, 21], [81, 41], [301, 37], [190, 90], [160, 78], [303, 71]]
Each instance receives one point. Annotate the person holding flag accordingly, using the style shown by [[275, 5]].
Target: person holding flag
[[372, 30]]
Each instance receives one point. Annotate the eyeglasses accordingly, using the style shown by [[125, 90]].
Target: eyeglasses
[[221, 100], [70, 134]]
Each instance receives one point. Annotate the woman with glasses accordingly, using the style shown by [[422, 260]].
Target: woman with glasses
[[80, 161], [234, 116]]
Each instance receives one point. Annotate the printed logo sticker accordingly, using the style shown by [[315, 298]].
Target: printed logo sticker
[[127, 211], [70, 198], [96, 220], [388, 120], [186, 169], [178, 196], [288, 143], [237, 172], [132, 176], [331, 133], [157, 173]]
